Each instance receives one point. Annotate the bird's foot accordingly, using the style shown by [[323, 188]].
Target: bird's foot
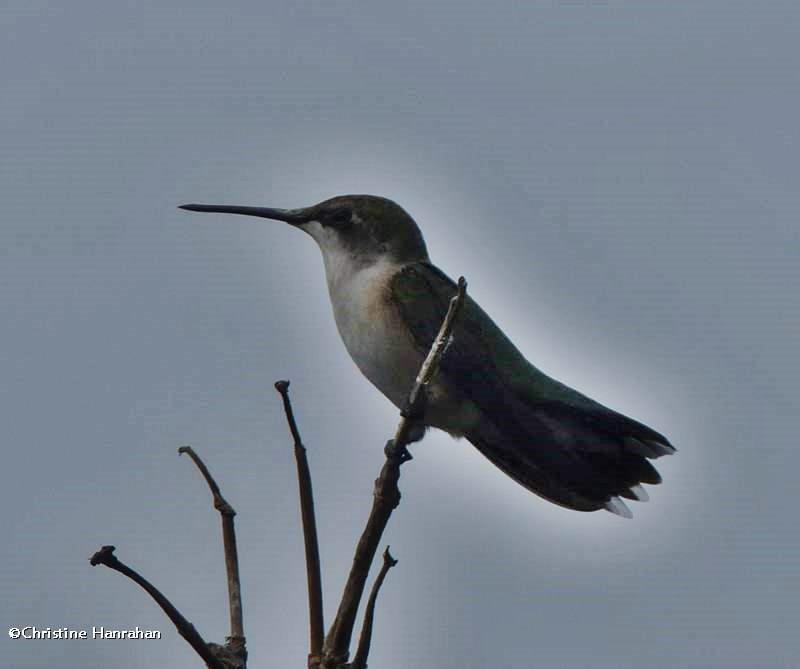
[[400, 453]]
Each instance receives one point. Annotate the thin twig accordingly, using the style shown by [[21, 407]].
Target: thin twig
[[236, 640], [386, 498], [313, 575], [387, 495], [105, 556], [364, 641], [430, 366]]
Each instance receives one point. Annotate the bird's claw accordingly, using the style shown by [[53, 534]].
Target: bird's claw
[[401, 452]]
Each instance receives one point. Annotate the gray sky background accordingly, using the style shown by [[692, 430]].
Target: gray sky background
[[617, 180]]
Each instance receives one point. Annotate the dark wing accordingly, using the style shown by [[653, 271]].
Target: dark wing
[[547, 436]]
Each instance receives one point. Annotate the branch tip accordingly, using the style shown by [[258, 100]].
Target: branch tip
[[220, 504], [104, 556], [283, 388], [365, 639], [310, 539], [388, 559], [227, 512]]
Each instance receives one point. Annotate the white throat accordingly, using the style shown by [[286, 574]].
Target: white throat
[[342, 267]]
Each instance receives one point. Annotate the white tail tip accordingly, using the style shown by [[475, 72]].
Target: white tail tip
[[617, 506]]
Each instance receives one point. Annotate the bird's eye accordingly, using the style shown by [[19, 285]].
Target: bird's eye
[[340, 217]]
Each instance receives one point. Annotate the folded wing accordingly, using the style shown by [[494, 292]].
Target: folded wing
[[548, 437]]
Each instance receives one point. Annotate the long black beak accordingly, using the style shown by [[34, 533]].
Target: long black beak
[[291, 216]]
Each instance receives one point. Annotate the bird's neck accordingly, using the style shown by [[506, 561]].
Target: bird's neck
[[346, 271]]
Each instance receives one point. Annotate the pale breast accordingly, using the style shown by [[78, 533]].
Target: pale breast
[[372, 331]]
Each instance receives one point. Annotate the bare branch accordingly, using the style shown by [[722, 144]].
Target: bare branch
[[105, 556], [386, 497], [313, 576], [329, 652], [364, 641], [236, 640], [387, 494]]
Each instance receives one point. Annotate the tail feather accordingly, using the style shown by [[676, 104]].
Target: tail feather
[[581, 459], [616, 505]]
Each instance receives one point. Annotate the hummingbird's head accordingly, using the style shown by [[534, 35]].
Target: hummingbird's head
[[358, 228]]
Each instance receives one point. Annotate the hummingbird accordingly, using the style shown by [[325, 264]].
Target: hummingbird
[[388, 302]]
